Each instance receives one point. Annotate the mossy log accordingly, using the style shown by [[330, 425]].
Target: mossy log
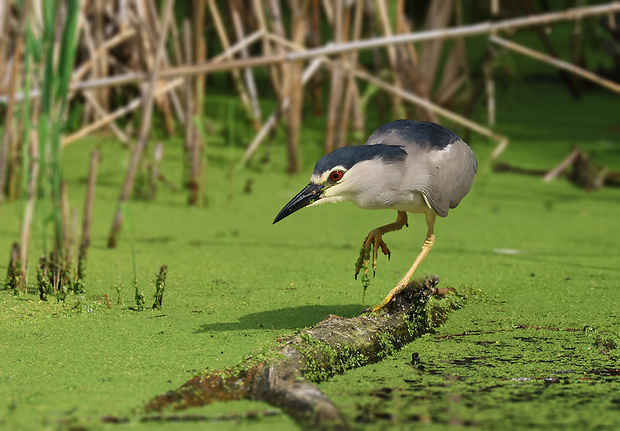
[[284, 374]]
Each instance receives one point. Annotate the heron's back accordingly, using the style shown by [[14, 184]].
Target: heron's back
[[439, 163]]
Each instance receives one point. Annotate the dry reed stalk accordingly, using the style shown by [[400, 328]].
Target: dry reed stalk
[[381, 8], [285, 69], [413, 98], [161, 99], [250, 39], [4, 43], [407, 57], [452, 116], [351, 110], [192, 143], [404, 26], [31, 197], [144, 128], [564, 164], [195, 172], [89, 42], [259, 13], [172, 72], [188, 94], [86, 66], [437, 17], [237, 47], [146, 34], [294, 88], [178, 60], [175, 44], [336, 84], [101, 64], [527, 6], [122, 15], [158, 156], [12, 87], [489, 88], [466, 30], [577, 51], [271, 121], [555, 62], [131, 106], [223, 37], [215, 64], [89, 202], [199, 85], [200, 55], [66, 235], [102, 113], [342, 126], [315, 89], [463, 31], [487, 71], [494, 7], [278, 30], [329, 12], [15, 279], [236, 12], [455, 73]]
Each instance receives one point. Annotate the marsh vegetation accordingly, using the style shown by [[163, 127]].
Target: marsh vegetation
[[134, 163]]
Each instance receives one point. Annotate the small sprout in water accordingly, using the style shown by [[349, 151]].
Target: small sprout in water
[[119, 298], [160, 285], [139, 297], [415, 359]]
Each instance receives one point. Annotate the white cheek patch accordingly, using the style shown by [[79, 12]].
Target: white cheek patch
[[327, 199], [316, 179]]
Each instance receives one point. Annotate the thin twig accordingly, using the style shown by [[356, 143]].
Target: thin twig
[[556, 62], [131, 106]]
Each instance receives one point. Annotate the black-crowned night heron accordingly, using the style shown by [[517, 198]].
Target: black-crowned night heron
[[408, 166]]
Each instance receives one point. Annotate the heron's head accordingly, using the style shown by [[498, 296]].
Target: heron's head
[[346, 174]]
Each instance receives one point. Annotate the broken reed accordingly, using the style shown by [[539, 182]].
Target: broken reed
[[158, 296], [14, 274], [160, 285]]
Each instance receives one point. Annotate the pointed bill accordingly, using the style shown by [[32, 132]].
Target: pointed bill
[[310, 194]]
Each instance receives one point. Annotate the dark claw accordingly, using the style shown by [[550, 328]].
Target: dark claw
[[389, 255], [406, 224], [374, 273], [356, 276]]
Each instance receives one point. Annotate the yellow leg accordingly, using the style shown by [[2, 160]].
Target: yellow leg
[[426, 248], [374, 240]]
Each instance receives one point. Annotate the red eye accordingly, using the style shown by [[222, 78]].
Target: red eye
[[336, 175]]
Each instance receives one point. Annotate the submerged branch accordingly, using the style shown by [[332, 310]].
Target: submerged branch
[[284, 374], [584, 173]]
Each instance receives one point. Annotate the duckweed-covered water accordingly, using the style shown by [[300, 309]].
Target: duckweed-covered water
[[541, 351]]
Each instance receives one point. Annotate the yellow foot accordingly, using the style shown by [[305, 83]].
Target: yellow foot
[[372, 242], [386, 300]]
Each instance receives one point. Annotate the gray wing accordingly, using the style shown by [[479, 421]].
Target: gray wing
[[419, 133], [439, 164], [452, 173]]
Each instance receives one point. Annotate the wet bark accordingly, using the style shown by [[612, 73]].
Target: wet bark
[[284, 375]]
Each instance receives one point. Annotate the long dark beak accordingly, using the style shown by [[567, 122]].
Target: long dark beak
[[311, 193]]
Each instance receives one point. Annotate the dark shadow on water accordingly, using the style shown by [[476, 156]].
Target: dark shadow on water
[[285, 318]]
